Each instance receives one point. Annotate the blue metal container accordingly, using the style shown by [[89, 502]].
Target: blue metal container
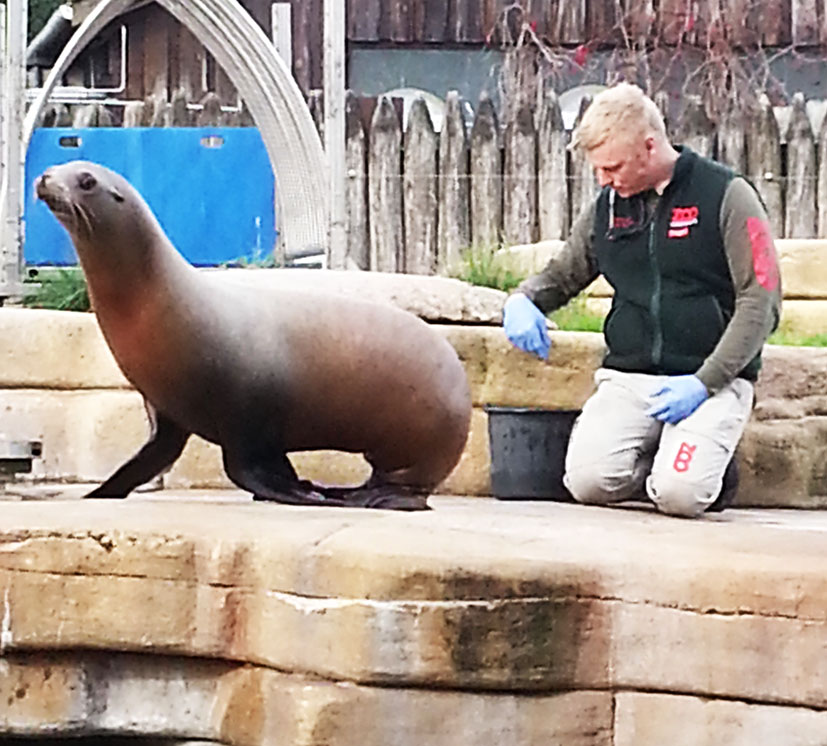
[[211, 188]]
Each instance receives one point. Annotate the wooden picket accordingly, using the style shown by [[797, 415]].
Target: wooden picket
[[454, 233], [552, 183], [486, 176], [520, 175], [765, 162], [800, 192], [420, 191], [385, 190], [356, 217]]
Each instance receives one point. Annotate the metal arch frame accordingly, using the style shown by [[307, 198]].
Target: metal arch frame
[[264, 81]]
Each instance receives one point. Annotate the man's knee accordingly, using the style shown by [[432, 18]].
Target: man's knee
[[590, 486], [678, 497]]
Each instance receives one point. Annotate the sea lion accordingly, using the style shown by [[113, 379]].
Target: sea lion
[[261, 374]]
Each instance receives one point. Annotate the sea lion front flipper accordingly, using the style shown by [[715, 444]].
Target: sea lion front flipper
[[270, 477], [166, 441]]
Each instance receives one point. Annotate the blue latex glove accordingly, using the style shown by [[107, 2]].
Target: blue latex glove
[[679, 398], [525, 326]]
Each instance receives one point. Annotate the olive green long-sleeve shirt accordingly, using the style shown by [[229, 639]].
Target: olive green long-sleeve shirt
[[757, 299]]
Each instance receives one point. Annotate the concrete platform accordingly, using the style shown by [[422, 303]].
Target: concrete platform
[[203, 615]]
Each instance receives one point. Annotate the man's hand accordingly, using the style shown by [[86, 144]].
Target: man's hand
[[525, 326], [679, 398]]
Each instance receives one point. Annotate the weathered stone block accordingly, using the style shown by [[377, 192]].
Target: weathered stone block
[[154, 697], [471, 476], [55, 349], [657, 719], [501, 374], [784, 463], [803, 264], [804, 317], [86, 435]]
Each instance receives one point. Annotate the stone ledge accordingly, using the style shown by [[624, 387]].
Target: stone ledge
[[474, 595], [433, 298], [803, 265]]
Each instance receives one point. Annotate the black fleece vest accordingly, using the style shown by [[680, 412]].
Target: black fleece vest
[[673, 292]]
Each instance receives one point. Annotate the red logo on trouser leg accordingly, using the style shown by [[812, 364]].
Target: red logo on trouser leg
[[684, 457]]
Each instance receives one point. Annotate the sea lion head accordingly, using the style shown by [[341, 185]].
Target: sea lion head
[[92, 202]]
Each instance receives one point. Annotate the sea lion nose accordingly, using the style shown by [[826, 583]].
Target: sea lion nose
[[41, 185]]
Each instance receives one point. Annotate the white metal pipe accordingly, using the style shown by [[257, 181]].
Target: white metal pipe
[[3, 122], [334, 128], [11, 193], [282, 28]]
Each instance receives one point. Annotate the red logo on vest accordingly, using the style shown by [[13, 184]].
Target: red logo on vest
[[683, 218], [621, 221]]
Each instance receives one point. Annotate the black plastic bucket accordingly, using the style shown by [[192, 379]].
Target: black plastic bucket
[[528, 452]]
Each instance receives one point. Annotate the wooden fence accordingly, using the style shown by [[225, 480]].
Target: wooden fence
[[418, 198]]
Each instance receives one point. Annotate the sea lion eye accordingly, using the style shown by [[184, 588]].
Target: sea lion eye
[[86, 181]]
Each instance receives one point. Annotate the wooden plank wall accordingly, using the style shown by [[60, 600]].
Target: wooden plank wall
[[164, 57], [774, 22]]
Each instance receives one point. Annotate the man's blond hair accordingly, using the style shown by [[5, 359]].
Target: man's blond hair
[[622, 112]]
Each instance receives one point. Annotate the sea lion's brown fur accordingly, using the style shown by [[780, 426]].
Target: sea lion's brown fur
[[257, 372]]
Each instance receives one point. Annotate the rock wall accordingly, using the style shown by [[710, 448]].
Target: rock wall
[[59, 385]]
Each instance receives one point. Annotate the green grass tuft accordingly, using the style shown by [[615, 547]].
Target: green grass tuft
[[791, 339], [483, 266], [61, 289], [575, 316], [258, 259]]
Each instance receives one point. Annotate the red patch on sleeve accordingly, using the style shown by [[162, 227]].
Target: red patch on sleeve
[[763, 253]]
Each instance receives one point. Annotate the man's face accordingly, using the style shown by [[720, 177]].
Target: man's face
[[623, 164]]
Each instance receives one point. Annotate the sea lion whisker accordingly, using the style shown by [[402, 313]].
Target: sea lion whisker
[[82, 217]]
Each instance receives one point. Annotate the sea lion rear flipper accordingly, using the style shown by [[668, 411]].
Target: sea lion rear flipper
[[166, 441], [270, 477], [273, 478], [378, 495]]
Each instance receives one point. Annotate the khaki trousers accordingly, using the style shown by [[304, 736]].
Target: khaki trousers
[[617, 452]]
